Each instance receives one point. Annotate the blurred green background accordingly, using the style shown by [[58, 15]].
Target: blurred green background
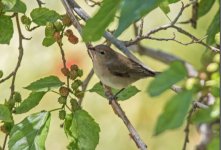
[[141, 109]]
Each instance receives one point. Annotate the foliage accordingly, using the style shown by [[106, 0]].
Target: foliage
[[81, 129]]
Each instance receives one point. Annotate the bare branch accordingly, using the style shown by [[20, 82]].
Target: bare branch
[[172, 25], [118, 110], [116, 107], [85, 84]]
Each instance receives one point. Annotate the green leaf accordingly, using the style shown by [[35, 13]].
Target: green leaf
[[174, 112], [81, 130], [48, 41], [213, 29], [164, 6], [124, 95], [45, 84], [9, 4], [204, 7], [96, 26], [214, 144], [6, 29], [41, 16], [132, 11], [166, 79], [19, 7], [30, 133], [5, 114], [30, 102]]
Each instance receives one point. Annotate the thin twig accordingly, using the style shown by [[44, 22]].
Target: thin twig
[[63, 59], [119, 111], [40, 3], [172, 25], [85, 84], [5, 142], [135, 136], [187, 127]]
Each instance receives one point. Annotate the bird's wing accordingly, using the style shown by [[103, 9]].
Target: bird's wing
[[128, 68]]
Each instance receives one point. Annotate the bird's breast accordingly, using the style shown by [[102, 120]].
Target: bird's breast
[[110, 79]]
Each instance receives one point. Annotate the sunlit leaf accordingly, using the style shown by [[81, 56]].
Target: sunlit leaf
[[166, 79], [124, 95], [132, 11], [48, 41], [9, 4], [30, 102], [19, 7], [6, 29], [96, 26], [81, 130], [213, 29], [30, 133], [174, 112], [5, 114], [41, 16], [45, 84], [204, 7]]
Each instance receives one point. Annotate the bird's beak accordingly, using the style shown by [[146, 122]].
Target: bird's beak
[[91, 48]]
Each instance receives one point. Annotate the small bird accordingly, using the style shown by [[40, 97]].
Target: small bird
[[116, 70]]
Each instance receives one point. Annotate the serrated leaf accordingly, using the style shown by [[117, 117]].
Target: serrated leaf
[[124, 95], [132, 11], [5, 114], [19, 7], [213, 29], [30, 102], [166, 79], [45, 84], [9, 4], [41, 16], [30, 133], [6, 29], [48, 41], [81, 130], [204, 7], [174, 112], [96, 26]]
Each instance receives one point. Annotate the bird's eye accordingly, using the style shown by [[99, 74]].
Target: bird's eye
[[102, 52]]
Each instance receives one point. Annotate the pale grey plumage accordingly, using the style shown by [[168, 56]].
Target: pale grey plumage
[[116, 70]]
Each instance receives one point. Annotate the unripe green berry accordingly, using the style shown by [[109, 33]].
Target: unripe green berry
[[80, 72], [62, 100], [76, 84], [62, 114], [58, 26], [25, 20], [17, 97], [74, 104], [212, 67]]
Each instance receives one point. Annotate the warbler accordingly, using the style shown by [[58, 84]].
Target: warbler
[[116, 70]]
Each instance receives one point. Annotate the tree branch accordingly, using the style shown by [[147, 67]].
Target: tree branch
[[118, 111], [173, 26], [116, 107], [85, 84]]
